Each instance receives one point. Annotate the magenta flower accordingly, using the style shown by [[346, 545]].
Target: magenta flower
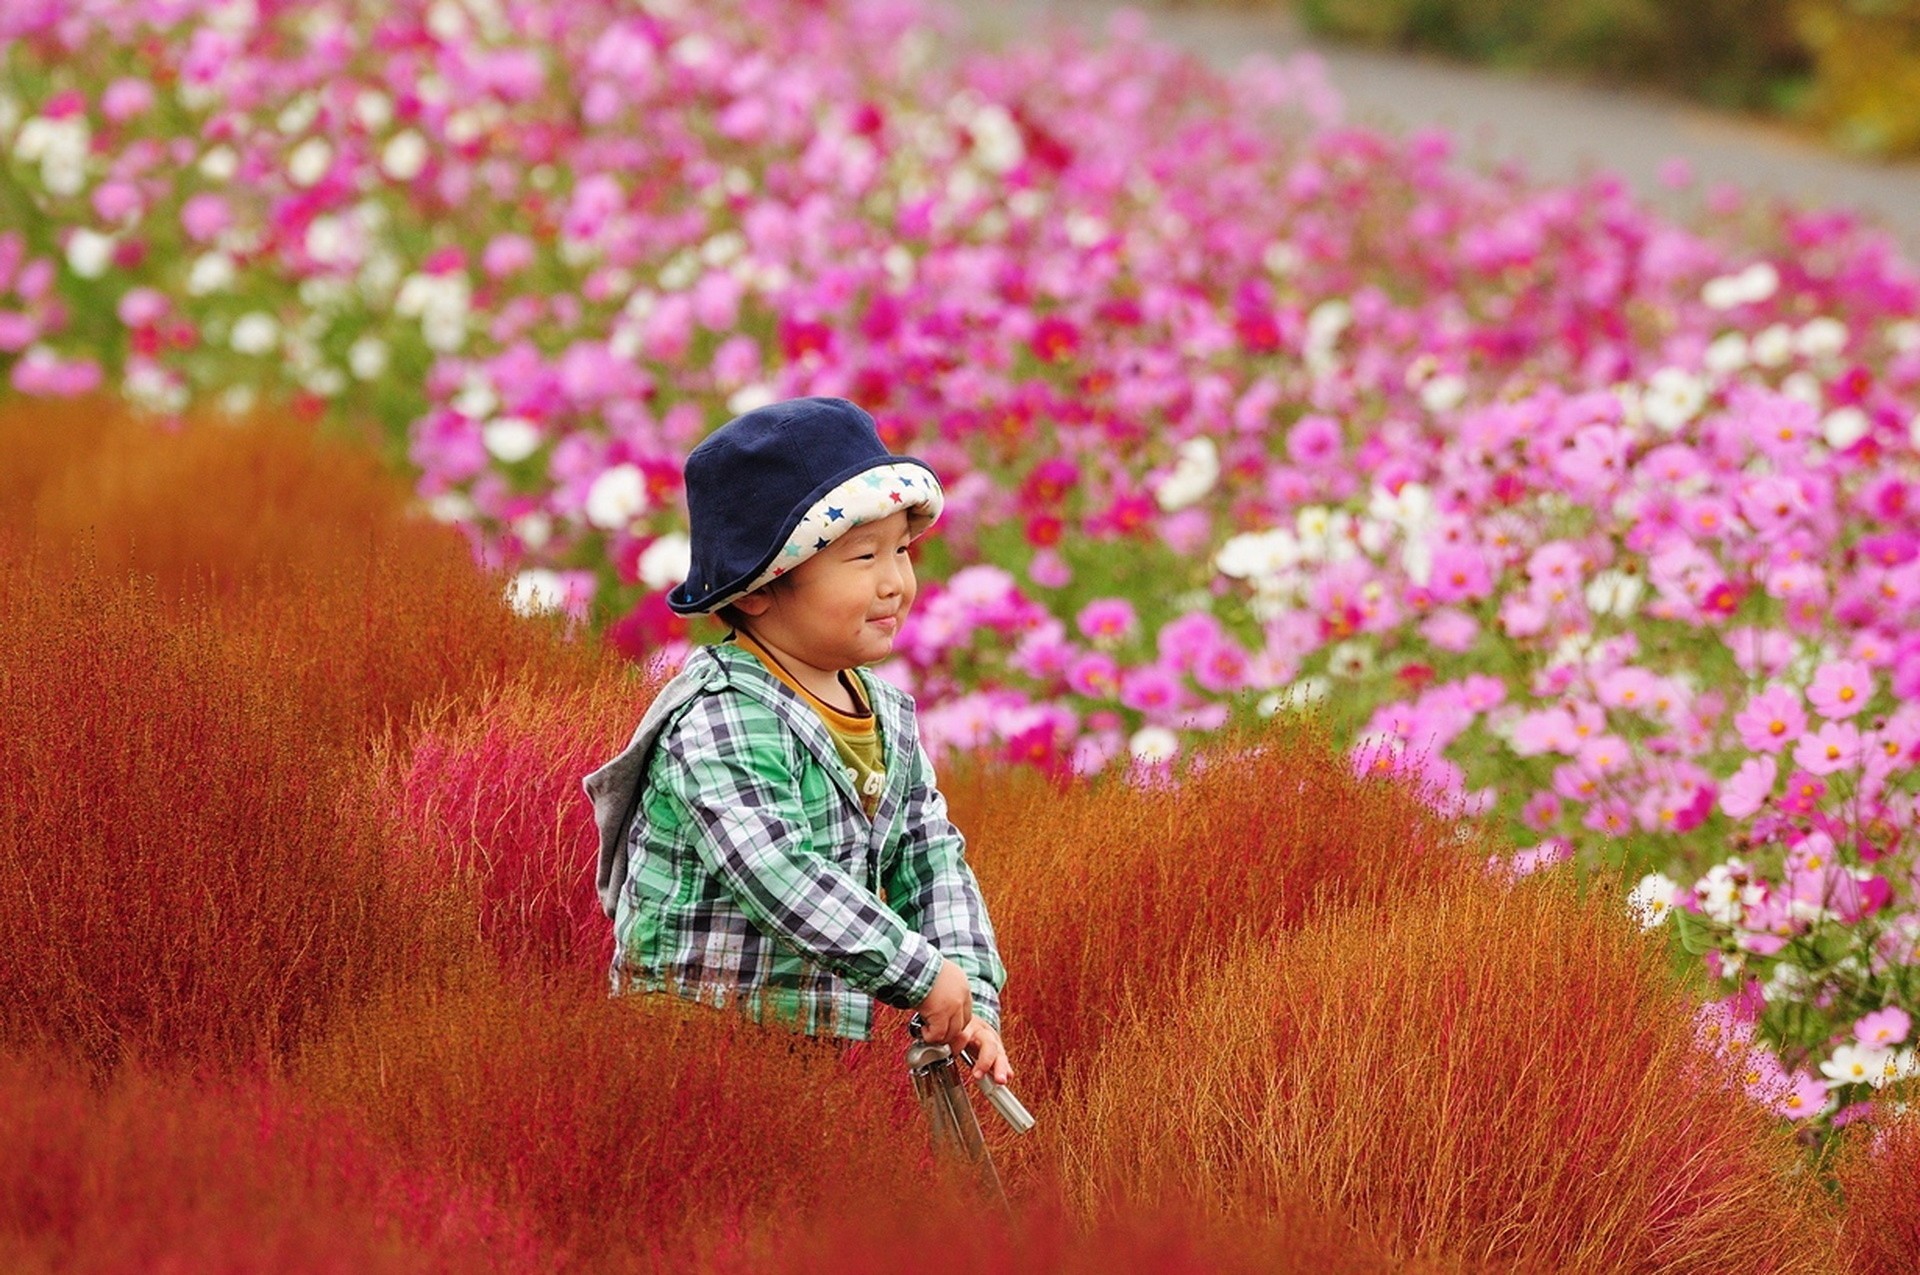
[[1840, 689], [1315, 441], [1772, 720], [1107, 620], [1149, 689], [1095, 675]]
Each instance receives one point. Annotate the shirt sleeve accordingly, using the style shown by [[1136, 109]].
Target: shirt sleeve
[[934, 891], [749, 828]]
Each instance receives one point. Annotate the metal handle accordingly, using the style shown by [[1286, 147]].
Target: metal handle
[[1011, 1109]]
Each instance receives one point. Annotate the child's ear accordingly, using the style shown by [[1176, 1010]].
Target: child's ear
[[754, 604]]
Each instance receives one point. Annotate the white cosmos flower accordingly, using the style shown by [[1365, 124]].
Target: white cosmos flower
[[1304, 694], [1843, 427], [1652, 899], [1195, 471], [1773, 345], [1853, 1063], [1281, 258], [1804, 386], [1904, 336], [255, 332], [404, 155], [1674, 396], [1153, 744], [210, 272], [996, 139], [510, 439], [748, 397], [451, 507], [1821, 338], [219, 164], [1728, 353], [534, 529], [89, 253], [373, 109], [1350, 659], [666, 561], [617, 497], [1443, 393], [367, 357], [1755, 284], [536, 591], [1614, 592], [309, 161], [1255, 555]]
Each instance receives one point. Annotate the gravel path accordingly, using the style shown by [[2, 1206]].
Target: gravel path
[[1556, 128]]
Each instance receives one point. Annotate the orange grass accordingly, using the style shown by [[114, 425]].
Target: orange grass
[[493, 795], [154, 1173], [1878, 1172], [889, 1234], [1108, 896], [1493, 1074], [371, 611], [627, 1128], [190, 873]]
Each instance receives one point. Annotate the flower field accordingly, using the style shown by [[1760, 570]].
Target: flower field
[[1507, 517]]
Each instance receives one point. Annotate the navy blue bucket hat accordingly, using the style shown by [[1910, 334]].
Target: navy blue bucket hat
[[768, 490]]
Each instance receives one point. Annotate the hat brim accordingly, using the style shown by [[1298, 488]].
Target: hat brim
[[874, 488]]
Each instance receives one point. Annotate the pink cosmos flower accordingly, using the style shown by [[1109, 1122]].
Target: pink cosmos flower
[[1314, 441], [205, 216], [1759, 652], [1095, 675], [1834, 747], [1803, 793], [1221, 667], [1749, 787], [1459, 574], [1841, 689], [1107, 620], [1883, 1027], [1772, 720], [1541, 812], [1803, 1097], [1149, 689], [1451, 630]]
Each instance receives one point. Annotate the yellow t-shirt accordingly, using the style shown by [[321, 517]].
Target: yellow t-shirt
[[856, 736]]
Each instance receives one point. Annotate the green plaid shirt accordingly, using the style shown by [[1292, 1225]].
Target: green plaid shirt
[[751, 875]]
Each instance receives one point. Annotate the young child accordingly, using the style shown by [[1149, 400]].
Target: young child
[[771, 838]]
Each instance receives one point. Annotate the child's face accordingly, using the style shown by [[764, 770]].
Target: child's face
[[842, 607]]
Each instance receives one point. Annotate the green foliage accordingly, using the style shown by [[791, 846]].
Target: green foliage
[[1867, 87], [1741, 53]]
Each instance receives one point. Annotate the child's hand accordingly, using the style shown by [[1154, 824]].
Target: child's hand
[[948, 1008], [989, 1055]]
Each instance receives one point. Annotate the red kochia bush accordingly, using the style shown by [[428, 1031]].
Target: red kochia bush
[[886, 1234], [1878, 1172], [628, 1128], [1489, 1073], [152, 1173], [366, 611], [1109, 896], [493, 794], [190, 873]]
